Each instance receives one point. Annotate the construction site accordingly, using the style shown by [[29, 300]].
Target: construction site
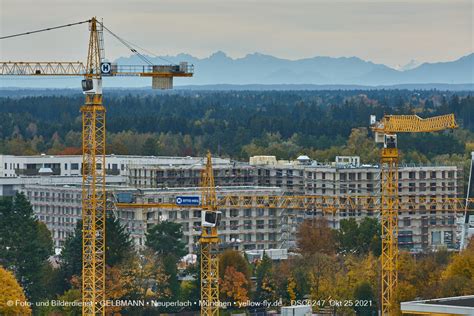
[[264, 210]]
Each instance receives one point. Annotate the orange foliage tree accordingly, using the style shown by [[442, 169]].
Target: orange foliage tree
[[233, 286]]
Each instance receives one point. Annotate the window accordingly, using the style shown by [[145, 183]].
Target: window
[[184, 214], [433, 186], [406, 221], [247, 213], [260, 212], [247, 224], [436, 238], [411, 175], [248, 237], [433, 174], [74, 166], [272, 236], [234, 225], [271, 212], [272, 223], [260, 237], [234, 213], [422, 187], [432, 220], [422, 174], [411, 187], [260, 224], [65, 166]]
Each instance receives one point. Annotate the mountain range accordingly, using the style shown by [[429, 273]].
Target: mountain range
[[258, 68], [261, 69]]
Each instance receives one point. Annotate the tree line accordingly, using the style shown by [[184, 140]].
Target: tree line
[[233, 123]]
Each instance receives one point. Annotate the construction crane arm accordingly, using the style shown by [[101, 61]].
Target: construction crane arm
[[328, 204], [68, 68], [391, 124]]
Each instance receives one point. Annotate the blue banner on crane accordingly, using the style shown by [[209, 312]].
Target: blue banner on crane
[[188, 200]]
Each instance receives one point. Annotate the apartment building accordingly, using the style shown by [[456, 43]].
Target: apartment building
[[165, 177], [243, 229], [59, 207], [186, 172]]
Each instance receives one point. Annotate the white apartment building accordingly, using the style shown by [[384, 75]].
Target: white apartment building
[[158, 178], [59, 207]]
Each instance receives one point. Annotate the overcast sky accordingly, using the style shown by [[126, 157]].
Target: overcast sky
[[382, 31]]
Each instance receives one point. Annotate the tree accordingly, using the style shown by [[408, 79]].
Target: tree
[[233, 258], [118, 246], [11, 291], [234, 286], [263, 274], [459, 273], [364, 292], [25, 244], [359, 238], [314, 236], [165, 239]]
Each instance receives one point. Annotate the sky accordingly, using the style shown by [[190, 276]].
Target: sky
[[390, 32]]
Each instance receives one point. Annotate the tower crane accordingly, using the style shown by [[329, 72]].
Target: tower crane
[[386, 132], [93, 141], [211, 216]]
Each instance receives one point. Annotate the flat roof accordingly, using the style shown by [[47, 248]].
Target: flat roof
[[459, 305]]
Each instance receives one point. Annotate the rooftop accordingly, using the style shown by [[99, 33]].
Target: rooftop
[[459, 305]]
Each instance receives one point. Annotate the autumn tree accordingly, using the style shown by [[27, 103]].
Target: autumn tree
[[459, 274], [11, 291], [234, 259], [233, 286], [314, 236]]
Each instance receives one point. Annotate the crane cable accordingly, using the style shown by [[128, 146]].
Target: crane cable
[[128, 44], [44, 30], [131, 46], [125, 43]]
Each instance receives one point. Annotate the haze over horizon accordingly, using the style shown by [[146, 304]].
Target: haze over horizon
[[387, 32]]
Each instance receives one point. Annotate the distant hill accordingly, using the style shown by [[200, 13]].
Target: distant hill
[[260, 69], [265, 69]]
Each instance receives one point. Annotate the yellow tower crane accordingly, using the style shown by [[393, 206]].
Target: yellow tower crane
[[209, 241], [93, 142], [211, 216], [386, 132]]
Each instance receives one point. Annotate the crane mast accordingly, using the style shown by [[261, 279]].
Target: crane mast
[[385, 132], [93, 142], [210, 218], [93, 181]]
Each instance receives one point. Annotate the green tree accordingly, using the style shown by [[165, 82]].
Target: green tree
[[25, 244], [359, 238], [118, 246], [165, 239], [364, 293], [263, 274]]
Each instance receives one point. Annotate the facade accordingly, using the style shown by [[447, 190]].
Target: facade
[[59, 207], [53, 185], [186, 172]]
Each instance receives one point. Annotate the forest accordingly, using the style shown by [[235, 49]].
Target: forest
[[237, 124]]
